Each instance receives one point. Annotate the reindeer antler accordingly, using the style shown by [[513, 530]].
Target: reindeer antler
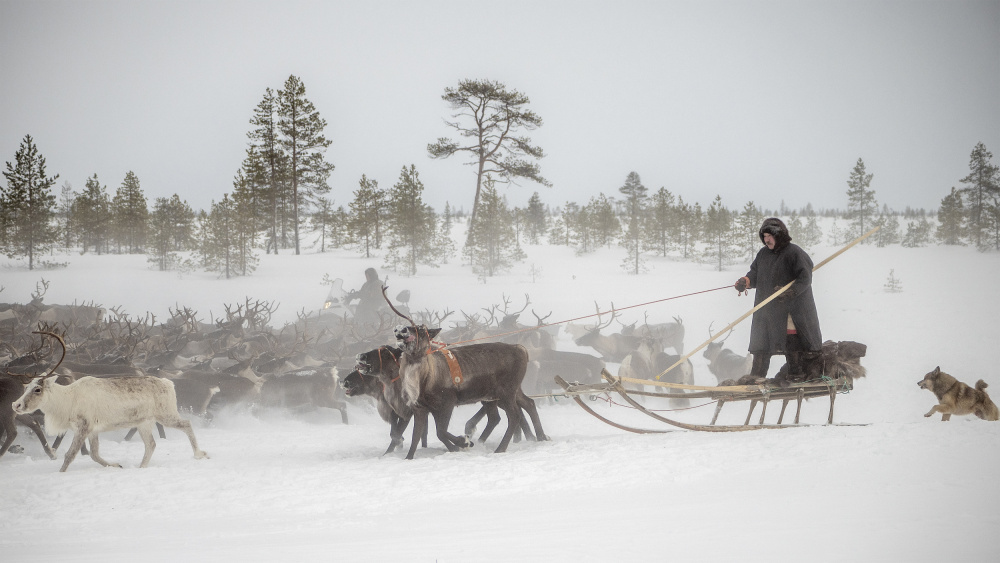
[[394, 309], [61, 343]]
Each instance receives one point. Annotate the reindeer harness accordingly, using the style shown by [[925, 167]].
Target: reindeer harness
[[453, 367]]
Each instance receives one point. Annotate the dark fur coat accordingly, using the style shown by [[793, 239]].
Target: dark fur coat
[[770, 271]]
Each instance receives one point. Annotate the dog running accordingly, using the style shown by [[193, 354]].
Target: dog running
[[955, 397]]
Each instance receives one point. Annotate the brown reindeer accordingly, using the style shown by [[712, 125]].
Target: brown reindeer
[[435, 381]]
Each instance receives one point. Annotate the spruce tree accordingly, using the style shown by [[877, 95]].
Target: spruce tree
[[603, 221], [27, 205]]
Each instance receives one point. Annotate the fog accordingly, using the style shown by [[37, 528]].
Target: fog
[[769, 101]]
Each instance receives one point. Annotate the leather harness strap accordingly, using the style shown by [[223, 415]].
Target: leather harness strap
[[456, 371]]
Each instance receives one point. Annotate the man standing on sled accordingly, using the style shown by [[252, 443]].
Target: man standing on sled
[[789, 324]]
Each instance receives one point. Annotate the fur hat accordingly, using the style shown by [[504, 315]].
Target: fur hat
[[774, 227]]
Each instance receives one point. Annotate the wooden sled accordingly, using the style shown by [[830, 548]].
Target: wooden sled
[[754, 393]]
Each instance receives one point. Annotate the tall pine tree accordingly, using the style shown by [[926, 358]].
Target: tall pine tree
[[130, 214], [861, 204], [304, 144]]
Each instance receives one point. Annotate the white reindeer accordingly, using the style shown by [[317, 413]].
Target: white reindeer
[[91, 405]]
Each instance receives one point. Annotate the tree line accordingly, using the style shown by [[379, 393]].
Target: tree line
[[280, 193]]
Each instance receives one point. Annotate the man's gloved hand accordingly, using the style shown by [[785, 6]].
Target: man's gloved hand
[[742, 285], [787, 295]]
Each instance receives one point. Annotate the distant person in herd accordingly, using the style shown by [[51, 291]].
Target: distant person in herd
[[369, 299], [789, 324]]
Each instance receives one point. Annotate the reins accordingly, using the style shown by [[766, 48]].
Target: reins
[[613, 310]]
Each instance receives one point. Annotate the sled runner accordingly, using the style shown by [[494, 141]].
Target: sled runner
[[761, 393]]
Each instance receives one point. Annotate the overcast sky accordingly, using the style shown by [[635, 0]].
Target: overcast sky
[[758, 100]]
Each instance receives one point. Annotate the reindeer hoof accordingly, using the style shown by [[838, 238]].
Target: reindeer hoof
[[201, 455], [17, 449]]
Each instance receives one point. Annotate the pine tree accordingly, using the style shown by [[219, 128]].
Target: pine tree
[[267, 166], [918, 233], [413, 236], [159, 240], [982, 192], [689, 226], [304, 144], [492, 247], [129, 215], [892, 284], [226, 244], [92, 210], [722, 242], [603, 222], [861, 204], [64, 213], [747, 228], [888, 232], [536, 219], [635, 219], [27, 205], [661, 228], [951, 219], [366, 213], [492, 116]]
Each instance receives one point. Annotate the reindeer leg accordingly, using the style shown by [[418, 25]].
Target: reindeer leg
[[79, 437], [470, 426], [146, 433], [10, 429], [159, 428], [419, 430], [528, 404], [31, 423], [513, 411], [95, 453], [396, 427], [131, 433], [175, 421], [452, 442], [492, 420]]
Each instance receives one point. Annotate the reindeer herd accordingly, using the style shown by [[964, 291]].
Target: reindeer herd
[[118, 371]]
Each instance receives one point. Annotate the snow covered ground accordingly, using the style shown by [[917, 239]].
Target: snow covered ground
[[901, 488]]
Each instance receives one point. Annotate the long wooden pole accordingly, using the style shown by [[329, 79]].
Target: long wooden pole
[[764, 302]]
